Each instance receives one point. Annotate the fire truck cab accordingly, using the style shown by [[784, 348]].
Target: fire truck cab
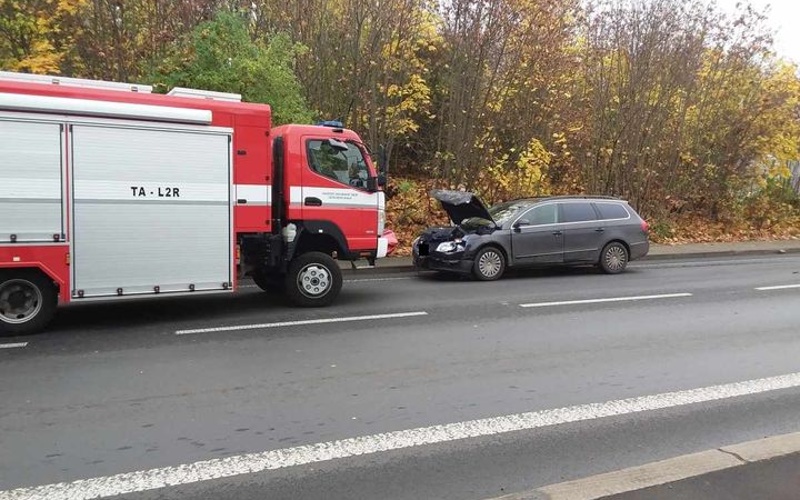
[[111, 192]]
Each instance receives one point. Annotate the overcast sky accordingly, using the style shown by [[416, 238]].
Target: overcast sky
[[784, 19]]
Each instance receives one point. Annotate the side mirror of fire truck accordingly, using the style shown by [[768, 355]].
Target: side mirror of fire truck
[[383, 167], [338, 145]]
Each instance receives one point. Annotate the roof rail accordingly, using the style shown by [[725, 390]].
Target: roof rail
[[74, 82], [205, 94], [581, 196]]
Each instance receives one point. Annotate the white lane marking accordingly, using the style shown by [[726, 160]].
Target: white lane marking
[[778, 287], [320, 321], [250, 463], [359, 280], [612, 299], [16, 345]]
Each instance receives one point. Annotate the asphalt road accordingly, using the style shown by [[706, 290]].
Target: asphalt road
[[111, 389]]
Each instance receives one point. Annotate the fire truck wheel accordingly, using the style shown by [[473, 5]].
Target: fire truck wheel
[[28, 302], [314, 280]]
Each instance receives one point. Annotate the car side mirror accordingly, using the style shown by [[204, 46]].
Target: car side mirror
[[521, 223], [382, 180]]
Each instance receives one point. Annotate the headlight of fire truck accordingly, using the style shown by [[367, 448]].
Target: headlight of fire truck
[[381, 221]]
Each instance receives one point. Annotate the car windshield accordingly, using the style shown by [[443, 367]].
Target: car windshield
[[504, 212]]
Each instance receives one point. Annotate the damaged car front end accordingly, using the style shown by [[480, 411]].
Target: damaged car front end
[[455, 248], [444, 249]]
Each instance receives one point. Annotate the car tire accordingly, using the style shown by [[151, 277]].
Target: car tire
[[614, 258], [28, 301], [314, 280], [489, 265]]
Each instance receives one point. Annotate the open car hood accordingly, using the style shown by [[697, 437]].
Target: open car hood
[[461, 205]]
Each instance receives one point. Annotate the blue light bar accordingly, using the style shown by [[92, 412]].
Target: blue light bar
[[330, 123]]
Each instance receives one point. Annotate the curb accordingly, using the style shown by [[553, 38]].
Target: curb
[[408, 268], [665, 471], [720, 253]]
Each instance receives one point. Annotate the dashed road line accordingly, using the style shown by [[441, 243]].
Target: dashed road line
[[320, 321], [16, 345], [778, 287], [612, 299], [250, 463]]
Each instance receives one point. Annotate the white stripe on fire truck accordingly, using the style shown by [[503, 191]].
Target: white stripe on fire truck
[[254, 194], [350, 197], [151, 190]]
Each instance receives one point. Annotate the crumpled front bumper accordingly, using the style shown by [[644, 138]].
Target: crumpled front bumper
[[456, 262]]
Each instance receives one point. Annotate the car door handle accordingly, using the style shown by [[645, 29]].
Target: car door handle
[[600, 229], [313, 202], [557, 233]]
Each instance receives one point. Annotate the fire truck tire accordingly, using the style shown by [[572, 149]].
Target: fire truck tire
[[314, 280], [28, 302]]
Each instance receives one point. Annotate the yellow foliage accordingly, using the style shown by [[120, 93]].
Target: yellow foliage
[[402, 58], [526, 175], [29, 37], [42, 59], [782, 89]]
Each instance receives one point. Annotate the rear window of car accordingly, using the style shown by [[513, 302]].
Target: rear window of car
[[577, 212], [612, 211]]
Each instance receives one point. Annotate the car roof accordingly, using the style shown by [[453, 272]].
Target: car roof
[[539, 199]]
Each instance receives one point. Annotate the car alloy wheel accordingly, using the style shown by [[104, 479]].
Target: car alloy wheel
[[614, 258], [489, 264]]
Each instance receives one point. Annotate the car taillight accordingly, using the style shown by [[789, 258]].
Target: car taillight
[[645, 226]]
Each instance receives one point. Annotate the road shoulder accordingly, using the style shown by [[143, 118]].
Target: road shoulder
[[695, 475]]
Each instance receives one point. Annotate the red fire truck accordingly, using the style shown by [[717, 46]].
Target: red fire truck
[[111, 192]]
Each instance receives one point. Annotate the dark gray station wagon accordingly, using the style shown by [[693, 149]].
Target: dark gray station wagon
[[566, 230]]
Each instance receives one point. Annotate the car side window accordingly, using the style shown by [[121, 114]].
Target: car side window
[[577, 211], [611, 211], [344, 165], [541, 215]]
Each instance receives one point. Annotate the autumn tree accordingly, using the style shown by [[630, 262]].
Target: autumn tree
[[126, 40], [365, 63], [221, 55], [498, 97], [32, 34], [674, 95]]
